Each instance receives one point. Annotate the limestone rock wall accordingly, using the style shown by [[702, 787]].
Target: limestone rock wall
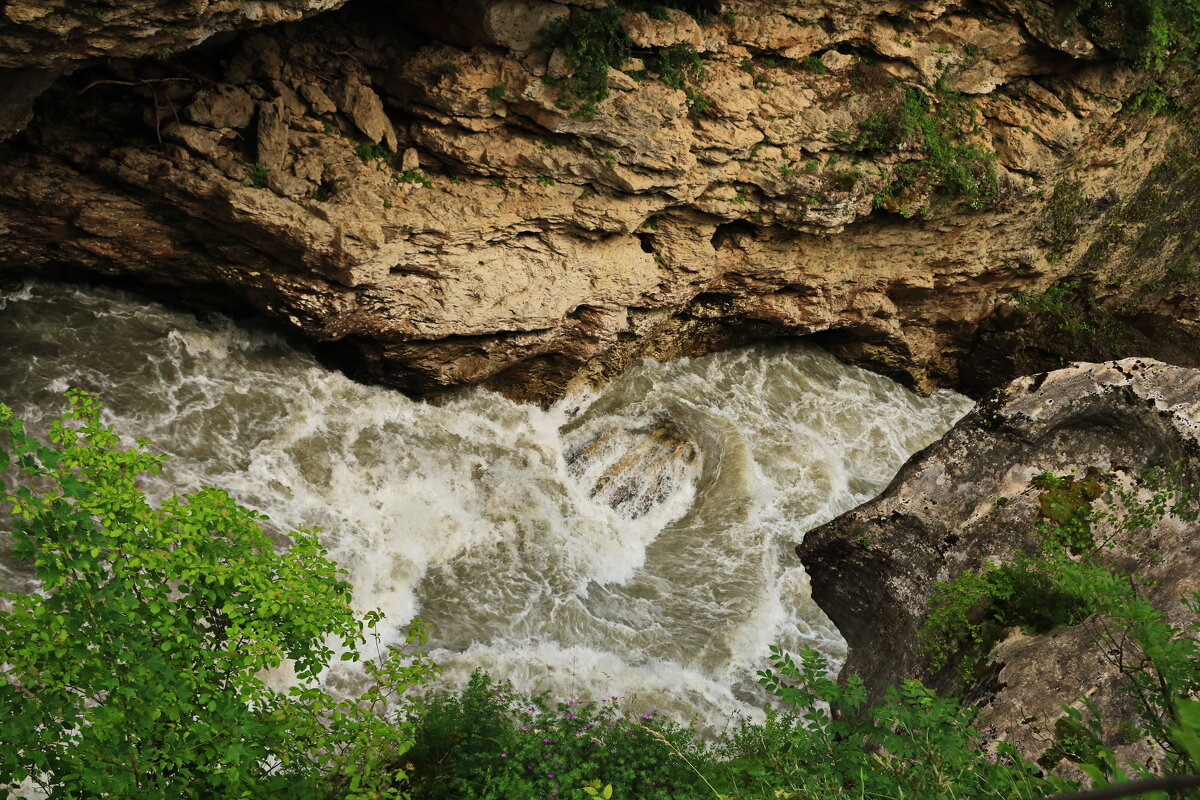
[[413, 181]]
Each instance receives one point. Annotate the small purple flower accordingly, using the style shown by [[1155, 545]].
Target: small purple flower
[[504, 755], [549, 775], [545, 740]]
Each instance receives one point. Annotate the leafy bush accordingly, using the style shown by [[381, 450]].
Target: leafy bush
[[1145, 32], [368, 152], [136, 669], [593, 42], [830, 745], [488, 742], [959, 170]]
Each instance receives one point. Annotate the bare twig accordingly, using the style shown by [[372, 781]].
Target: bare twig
[[134, 83]]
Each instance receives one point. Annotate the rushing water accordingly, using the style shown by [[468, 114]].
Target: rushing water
[[636, 541]]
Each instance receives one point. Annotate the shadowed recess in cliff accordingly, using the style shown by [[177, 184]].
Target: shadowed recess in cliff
[[637, 540]]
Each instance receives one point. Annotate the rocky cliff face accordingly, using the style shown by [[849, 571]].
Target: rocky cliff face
[[974, 498], [468, 192]]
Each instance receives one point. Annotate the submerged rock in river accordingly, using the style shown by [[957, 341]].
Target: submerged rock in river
[[633, 470]]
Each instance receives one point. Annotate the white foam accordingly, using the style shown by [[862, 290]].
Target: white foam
[[469, 514]]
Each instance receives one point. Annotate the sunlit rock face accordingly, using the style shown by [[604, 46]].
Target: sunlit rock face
[[415, 182]]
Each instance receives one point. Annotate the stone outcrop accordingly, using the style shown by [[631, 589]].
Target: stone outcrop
[[971, 499], [414, 182], [43, 39]]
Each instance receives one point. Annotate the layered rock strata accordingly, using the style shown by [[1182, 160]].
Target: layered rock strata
[[973, 498], [416, 181]]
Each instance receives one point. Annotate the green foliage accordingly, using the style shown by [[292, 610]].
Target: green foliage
[[1071, 311], [699, 10], [496, 93], [936, 123], [1064, 212], [413, 176], [830, 744], [488, 742], [814, 64], [136, 669], [1148, 33], [258, 176], [678, 66], [369, 152], [593, 42], [1067, 503]]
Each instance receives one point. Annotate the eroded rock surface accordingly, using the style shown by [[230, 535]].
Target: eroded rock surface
[[412, 180], [42, 39], [970, 499]]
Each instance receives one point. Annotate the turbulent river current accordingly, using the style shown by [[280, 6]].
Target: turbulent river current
[[636, 541]]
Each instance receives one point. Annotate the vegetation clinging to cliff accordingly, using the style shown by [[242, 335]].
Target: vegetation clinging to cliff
[[1145, 32], [950, 163]]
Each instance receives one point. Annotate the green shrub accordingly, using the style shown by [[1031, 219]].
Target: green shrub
[[960, 171], [258, 176], [486, 741], [593, 42], [1148, 33], [829, 744], [678, 66], [369, 152], [136, 670]]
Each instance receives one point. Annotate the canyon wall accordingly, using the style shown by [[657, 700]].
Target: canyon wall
[[469, 191]]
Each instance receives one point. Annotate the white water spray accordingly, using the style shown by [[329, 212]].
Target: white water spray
[[634, 541]]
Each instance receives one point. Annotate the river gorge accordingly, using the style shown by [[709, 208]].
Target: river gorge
[[569, 549], [623, 340]]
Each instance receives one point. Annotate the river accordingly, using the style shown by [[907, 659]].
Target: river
[[634, 541]]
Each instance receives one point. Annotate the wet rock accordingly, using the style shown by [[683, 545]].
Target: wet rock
[[633, 470]]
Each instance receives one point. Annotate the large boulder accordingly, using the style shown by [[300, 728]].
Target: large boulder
[[974, 498]]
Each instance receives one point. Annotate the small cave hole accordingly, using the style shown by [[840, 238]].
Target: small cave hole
[[730, 232]]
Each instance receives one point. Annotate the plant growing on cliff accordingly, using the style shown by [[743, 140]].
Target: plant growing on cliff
[[1071, 579], [136, 669], [950, 164], [1148, 33], [593, 41]]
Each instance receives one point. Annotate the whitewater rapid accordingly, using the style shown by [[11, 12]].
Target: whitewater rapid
[[634, 541]]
